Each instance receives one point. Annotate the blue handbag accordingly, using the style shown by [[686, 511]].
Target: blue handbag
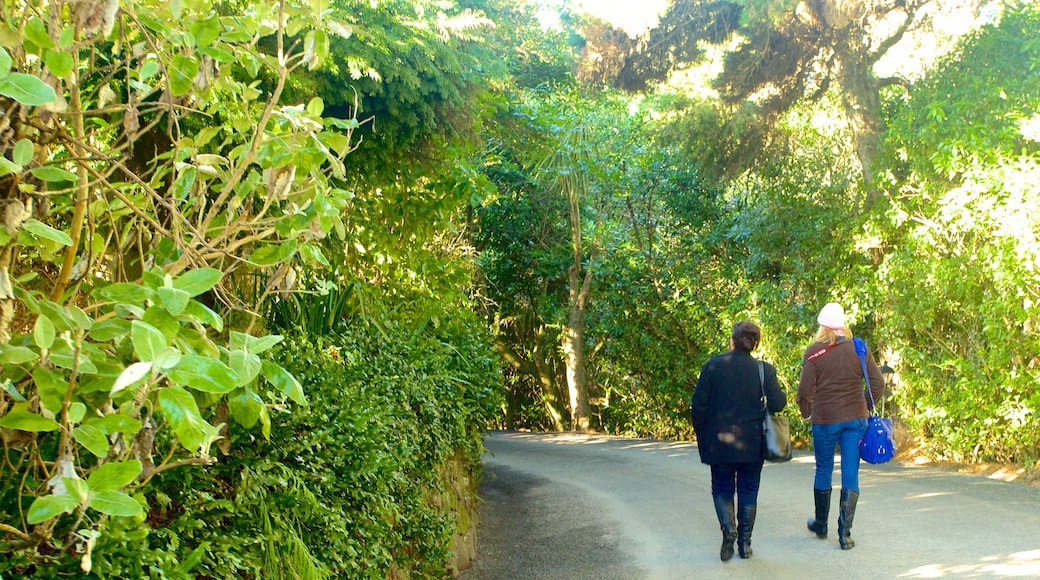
[[877, 444]]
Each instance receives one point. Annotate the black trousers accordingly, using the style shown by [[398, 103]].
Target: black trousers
[[740, 478]]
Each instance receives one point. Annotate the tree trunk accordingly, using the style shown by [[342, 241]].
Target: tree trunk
[[574, 350], [861, 99], [574, 333]]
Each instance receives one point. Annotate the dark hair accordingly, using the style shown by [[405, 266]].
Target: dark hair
[[745, 336]]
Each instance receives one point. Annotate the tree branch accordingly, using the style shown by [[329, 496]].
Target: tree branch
[[874, 56], [15, 532]]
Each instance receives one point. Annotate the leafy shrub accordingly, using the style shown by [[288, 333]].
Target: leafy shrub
[[348, 482]]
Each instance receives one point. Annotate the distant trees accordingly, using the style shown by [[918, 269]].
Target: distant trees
[[780, 53]]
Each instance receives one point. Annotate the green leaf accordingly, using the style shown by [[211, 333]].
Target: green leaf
[[26, 421], [77, 488], [315, 107], [52, 174], [265, 423], [182, 412], [125, 292], [64, 357], [131, 376], [163, 320], [42, 230], [77, 411], [167, 358], [61, 319], [5, 63], [148, 70], [117, 423], [27, 90], [114, 475], [11, 391], [204, 374], [50, 506], [197, 281], [315, 48], [23, 152], [59, 63], [313, 255], [148, 340], [247, 365], [245, 407], [174, 300], [262, 343], [284, 382], [269, 255], [51, 386], [43, 332], [206, 31], [202, 314], [36, 32], [183, 70], [252, 344], [16, 355], [115, 503], [193, 559], [8, 167], [67, 37], [93, 438], [80, 318], [185, 181], [109, 329]]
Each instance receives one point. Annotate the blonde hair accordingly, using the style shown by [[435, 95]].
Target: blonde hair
[[830, 335]]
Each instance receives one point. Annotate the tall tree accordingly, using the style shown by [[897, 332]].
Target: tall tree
[[566, 171], [555, 168], [783, 52]]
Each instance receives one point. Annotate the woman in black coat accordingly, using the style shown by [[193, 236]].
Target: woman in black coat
[[726, 409]]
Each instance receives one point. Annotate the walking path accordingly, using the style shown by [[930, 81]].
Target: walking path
[[567, 506]]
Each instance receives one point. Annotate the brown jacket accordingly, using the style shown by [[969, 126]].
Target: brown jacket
[[831, 388]]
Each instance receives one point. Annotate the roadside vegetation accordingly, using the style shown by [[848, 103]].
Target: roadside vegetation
[[269, 270]]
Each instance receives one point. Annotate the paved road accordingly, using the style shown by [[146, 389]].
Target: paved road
[[566, 506]]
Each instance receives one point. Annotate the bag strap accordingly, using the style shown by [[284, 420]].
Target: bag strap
[[762, 384], [861, 351]]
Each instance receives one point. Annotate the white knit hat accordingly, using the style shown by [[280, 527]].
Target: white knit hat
[[832, 316]]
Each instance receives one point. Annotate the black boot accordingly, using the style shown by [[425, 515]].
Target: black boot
[[847, 505], [724, 510], [818, 525], [745, 524]]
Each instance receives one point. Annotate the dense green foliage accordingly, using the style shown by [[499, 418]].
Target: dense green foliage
[[251, 252], [962, 247], [166, 181], [937, 272], [353, 481]]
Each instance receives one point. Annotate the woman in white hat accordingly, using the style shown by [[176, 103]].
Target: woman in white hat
[[832, 397]]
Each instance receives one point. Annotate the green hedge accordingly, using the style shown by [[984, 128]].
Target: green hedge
[[346, 486], [350, 486]]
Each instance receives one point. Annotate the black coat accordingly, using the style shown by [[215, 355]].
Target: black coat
[[726, 408]]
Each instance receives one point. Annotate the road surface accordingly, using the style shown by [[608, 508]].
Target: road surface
[[568, 506]]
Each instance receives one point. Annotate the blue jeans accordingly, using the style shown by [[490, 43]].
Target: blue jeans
[[742, 478], [825, 439]]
